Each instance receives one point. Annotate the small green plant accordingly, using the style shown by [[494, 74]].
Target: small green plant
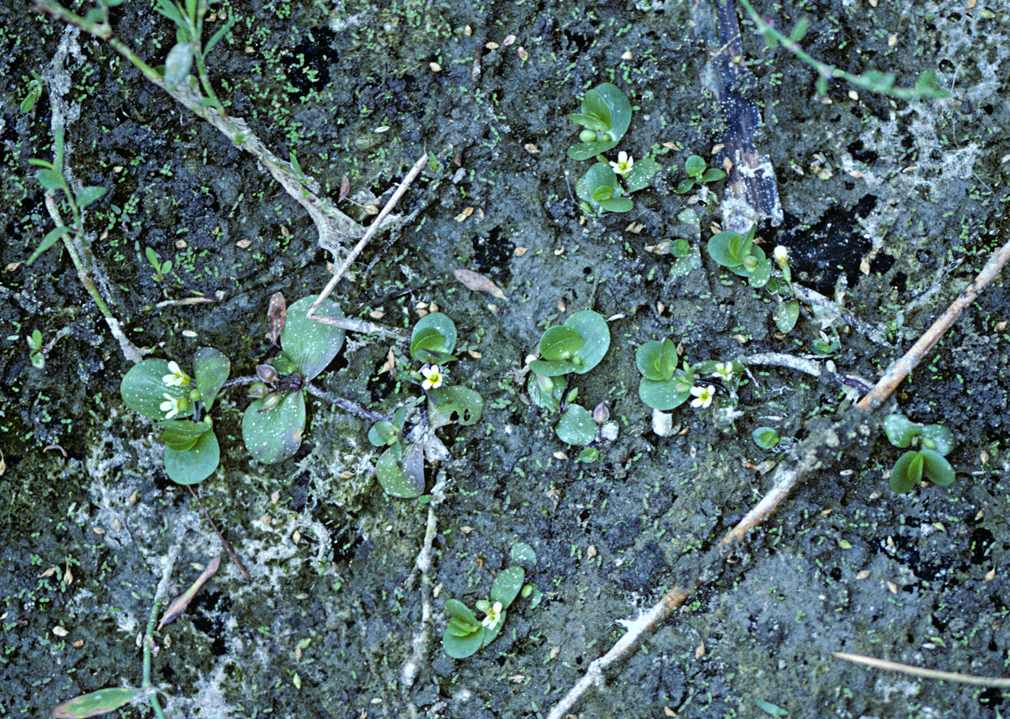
[[36, 352], [35, 87], [600, 191], [606, 117], [400, 468], [274, 423], [465, 634], [188, 49], [663, 386], [161, 390], [698, 174], [740, 255], [160, 268], [934, 441], [765, 437]]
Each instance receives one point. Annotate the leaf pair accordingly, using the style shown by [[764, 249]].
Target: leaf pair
[[273, 435], [577, 346], [606, 111], [740, 255], [936, 442], [433, 339], [663, 386]]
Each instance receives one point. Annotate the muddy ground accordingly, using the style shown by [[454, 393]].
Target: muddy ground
[[913, 189]]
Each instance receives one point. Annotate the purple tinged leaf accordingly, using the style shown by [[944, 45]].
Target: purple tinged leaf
[[179, 604]]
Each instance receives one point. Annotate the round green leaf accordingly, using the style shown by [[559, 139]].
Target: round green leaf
[[462, 647], [936, 468], [560, 343], [617, 204], [941, 437], [657, 360], [724, 248], [274, 435], [456, 608], [619, 107], [383, 433], [907, 472], [460, 404], [507, 585], [640, 174], [595, 334], [395, 480], [551, 369], [765, 437], [786, 316], [694, 166], [576, 426], [589, 150], [546, 396], [600, 177], [900, 430], [309, 344], [664, 395], [196, 463], [210, 372], [759, 276], [523, 554], [143, 388], [441, 324]]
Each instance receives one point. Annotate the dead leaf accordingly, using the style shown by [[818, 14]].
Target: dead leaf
[[464, 214], [3, 464], [345, 187], [60, 631], [531, 148], [277, 315], [479, 283], [179, 604], [699, 652], [520, 251], [555, 651]]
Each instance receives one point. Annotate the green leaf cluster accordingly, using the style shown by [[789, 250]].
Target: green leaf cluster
[[465, 634], [606, 117], [934, 441], [697, 174], [740, 255], [192, 452], [600, 191], [663, 386], [577, 346], [433, 339], [273, 425]]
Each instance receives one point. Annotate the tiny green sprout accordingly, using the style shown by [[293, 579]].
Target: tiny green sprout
[[740, 255], [663, 386], [36, 352], [936, 442], [698, 174], [465, 634], [162, 391], [35, 87], [160, 268], [606, 117], [576, 346]]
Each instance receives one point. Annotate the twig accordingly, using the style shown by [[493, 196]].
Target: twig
[[224, 542], [345, 404], [925, 673], [408, 675], [369, 234], [817, 451]]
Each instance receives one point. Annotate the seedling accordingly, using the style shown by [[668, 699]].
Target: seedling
[[36, 352], [698, 174], [161, 390], [160, 268], [600, 191], [740, 255], [765, 437], [606, 116], [465, 634], [663, 386], [577, 346], [935, 442], [273, 426]]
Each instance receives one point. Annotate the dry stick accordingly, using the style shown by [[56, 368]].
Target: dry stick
[[809, 457], [925, 673], [219, 536], [372, 230]]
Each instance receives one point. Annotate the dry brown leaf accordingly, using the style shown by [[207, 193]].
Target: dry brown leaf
[[179, 604], [390, 363], [531, 148], [479, 283], [345, 187], [277, 315]]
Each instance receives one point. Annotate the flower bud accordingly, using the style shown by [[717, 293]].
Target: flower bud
[[601, 413], [266, 373], [271, 401], [194, 395], [257, 390], [587, 136]]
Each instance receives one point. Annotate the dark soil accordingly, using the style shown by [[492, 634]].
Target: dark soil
[[904, 199]]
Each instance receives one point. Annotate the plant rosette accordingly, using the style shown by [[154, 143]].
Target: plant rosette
[[161, 390], [663, 387], [935, 442], [740, 255], [698, 174], [273, 425], [465, 634], [576, 347], [606, 116]]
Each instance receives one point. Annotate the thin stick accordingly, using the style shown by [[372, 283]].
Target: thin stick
[[369, 234], [925, 673], [224, 542], [816, 452]]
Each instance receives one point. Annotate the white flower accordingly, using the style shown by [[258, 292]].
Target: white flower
[[173, 405], [433, 377], [724, 371], [781, 254], [177, 378], [623, 164], [493, 616], [702, 396]]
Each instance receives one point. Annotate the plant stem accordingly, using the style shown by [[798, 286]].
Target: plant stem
[[148, 647]]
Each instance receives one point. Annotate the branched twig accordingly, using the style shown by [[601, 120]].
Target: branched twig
[[817, 451], [224, 542]]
